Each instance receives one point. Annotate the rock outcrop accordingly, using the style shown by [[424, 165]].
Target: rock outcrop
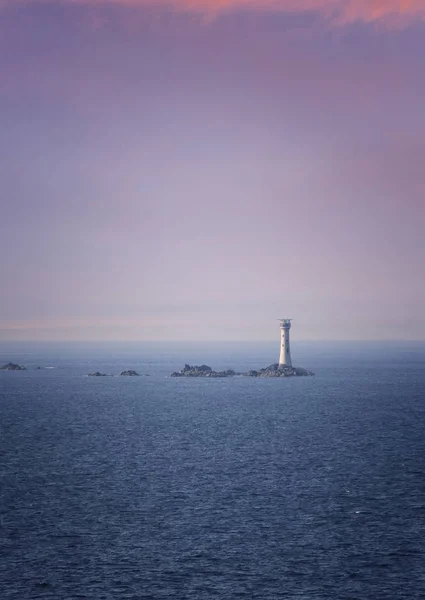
[[129, 373], [272, 371], [97, 374], [202, 371], [12, 367], [279, 371]]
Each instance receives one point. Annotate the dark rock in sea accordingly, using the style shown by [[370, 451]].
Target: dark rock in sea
[[279, 371], [97, 374], [12, 367], [202, 371], [272, 371], [130, 373]]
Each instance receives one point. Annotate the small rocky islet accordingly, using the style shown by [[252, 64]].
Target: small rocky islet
[[12, 367], [129, 373], [202, 371], [274, 370], [97, 374]]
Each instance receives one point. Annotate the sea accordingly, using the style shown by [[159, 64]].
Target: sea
[[151, 487]]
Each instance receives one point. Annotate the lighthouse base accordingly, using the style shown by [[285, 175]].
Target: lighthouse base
[[277, 370]]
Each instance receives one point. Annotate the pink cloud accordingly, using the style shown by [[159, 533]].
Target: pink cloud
[[389, 12]]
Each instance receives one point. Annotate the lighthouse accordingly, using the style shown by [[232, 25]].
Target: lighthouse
[[285, 348]]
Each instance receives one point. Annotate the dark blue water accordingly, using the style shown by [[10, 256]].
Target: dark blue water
[[151, 487]]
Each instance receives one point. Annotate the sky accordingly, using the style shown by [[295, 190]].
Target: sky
[[198, 169]]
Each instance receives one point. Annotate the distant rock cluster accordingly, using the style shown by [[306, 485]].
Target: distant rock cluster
[[274, 370], [128, 373], [12, 367]]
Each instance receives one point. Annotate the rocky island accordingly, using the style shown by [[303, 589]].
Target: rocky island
[[129, 373], [272, 371], [277, 370], [97, 374], [12, 367], [202, 371]]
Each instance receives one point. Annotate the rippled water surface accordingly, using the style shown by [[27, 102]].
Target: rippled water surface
[[151, 487]]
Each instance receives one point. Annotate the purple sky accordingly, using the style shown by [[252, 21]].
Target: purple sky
[[192, 173]]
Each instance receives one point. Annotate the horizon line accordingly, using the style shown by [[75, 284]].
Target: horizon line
[[215, 341]]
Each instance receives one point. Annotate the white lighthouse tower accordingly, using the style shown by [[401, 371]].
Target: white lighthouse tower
[[285, 348]]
